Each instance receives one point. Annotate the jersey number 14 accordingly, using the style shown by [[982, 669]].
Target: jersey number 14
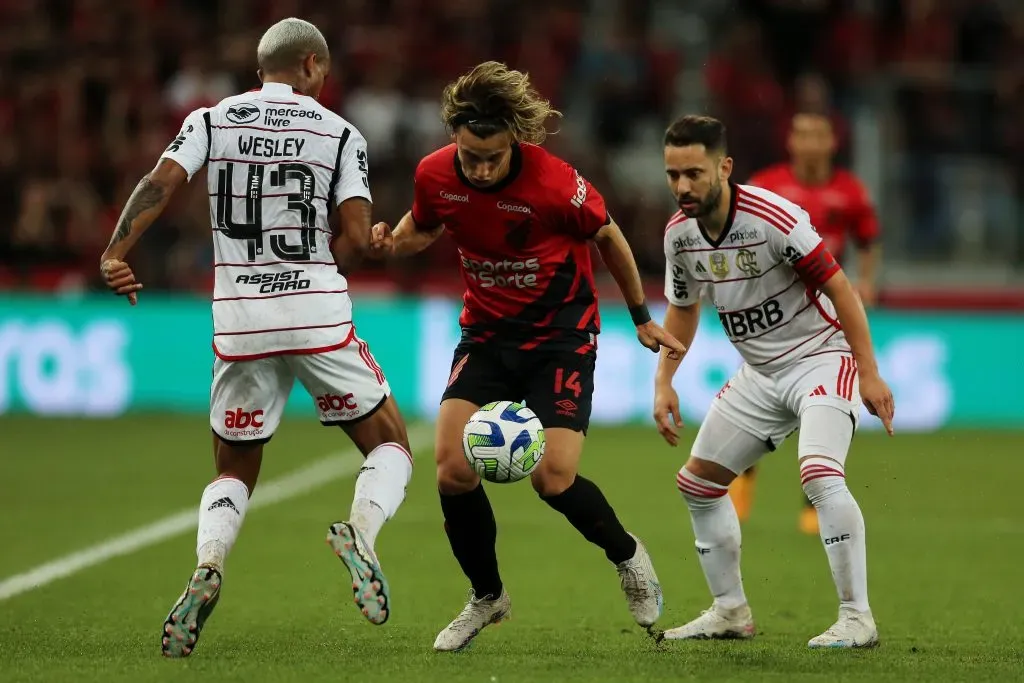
[[251, 227]]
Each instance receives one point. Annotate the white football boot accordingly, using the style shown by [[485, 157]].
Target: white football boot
[[477, 614], [853, 629], [716, 623], [640, 584]]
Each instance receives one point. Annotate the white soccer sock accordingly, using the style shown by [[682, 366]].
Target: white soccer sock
[[221, 513], [380, 488], [842, 529], [716, 529]]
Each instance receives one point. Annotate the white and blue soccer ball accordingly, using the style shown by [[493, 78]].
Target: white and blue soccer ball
[[503, 442]]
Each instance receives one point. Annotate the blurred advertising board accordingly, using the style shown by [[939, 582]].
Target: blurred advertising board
[[97, 356]]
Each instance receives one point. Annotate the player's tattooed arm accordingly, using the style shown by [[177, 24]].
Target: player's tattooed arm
[[144, 206]]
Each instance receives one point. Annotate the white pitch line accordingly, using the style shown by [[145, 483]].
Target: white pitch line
[[314, 475]]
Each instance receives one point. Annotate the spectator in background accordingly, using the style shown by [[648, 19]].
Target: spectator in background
[[922, 48], [745, 93], [108, 79]]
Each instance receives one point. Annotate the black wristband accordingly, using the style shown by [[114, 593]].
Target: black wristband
[[639, 314]]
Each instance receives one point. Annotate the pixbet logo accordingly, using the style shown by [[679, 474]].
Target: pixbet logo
[[682, 243], [332, 403], [520, 274], [743, 235]]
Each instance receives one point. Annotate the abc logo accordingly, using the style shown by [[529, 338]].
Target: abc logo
[[331, 403], [239, 419]]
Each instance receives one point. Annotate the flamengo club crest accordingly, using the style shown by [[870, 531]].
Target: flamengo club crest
[[719, 265], [746, 261]]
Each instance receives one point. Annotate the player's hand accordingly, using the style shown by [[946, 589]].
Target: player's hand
[[878, 398], [666, 414], [120, 279], [653, 336], [381, 241]]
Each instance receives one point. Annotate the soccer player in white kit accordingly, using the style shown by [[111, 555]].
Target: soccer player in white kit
[[792, 314], [290, 208]]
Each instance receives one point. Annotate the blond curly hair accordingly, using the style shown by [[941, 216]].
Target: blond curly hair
[[491, 98]]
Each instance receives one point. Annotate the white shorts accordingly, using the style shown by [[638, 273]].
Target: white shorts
[[248, 397], [769, 407]]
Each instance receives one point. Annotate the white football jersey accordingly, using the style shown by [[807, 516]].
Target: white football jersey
[[279, 163], [762, 274]]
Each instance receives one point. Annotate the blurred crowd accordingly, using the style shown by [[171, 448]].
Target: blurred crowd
[[92, 91]]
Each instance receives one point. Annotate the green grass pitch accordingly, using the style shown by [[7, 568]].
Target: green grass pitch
[[945, 544]]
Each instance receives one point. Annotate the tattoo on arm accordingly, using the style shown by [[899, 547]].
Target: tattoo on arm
[[145, 196]]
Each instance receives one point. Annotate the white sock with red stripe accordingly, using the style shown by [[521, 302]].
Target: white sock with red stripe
[[221, 513], [716, 530], [380, 488], [842, 528]]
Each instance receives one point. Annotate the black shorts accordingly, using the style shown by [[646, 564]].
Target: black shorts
[[557, 385]]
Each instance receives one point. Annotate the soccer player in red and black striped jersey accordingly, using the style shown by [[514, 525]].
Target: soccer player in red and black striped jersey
[[842, 212], [523, 221]]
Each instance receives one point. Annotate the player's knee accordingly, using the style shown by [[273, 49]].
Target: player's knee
[[553, 479], [821, 478], [701, 492], [454, 475], [384, 426], [238, 460]]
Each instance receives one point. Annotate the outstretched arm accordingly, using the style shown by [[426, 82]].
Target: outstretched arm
[[405, 240], [144, 206], [618, 257]]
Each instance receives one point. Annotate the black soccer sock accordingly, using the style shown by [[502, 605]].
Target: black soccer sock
[[472, 533], [588, 510]]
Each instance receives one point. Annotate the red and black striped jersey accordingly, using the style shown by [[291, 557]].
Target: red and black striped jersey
[[524, 245]]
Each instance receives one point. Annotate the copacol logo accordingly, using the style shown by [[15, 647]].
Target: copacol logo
[[243, 113], [49, 368]]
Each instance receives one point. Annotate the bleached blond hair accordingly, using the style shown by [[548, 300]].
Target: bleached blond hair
[[288, 42]]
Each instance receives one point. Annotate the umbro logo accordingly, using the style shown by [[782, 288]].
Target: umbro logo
[[224, 503], [566, 407]]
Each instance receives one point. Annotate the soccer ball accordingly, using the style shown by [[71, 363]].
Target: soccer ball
[[503, 442]]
